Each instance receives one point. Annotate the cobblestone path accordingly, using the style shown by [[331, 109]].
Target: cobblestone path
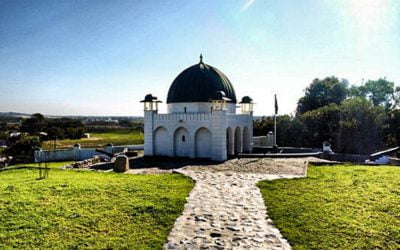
[[225, 210]]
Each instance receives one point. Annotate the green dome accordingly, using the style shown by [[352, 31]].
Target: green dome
[[200, 83]]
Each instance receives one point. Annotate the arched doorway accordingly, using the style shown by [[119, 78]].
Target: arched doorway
[[246, 140], [203, 143], [238, 141], [229, 141], [161, 142], [182, 142]]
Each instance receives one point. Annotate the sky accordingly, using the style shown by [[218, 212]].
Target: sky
[[100, 57]]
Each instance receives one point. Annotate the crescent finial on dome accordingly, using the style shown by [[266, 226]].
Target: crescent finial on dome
[[201, 58]]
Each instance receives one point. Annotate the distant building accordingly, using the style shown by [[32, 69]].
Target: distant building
[[201, 121]]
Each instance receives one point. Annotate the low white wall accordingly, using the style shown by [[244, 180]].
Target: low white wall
[[79, 154]]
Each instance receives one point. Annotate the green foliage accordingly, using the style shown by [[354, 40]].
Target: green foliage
[[288, 129], [363, 123], [3, 135], [23, 145], [8, 126], [60, 128], [2, 152], [321, 93], [82, 209], [65, 128], [356, 126], [337, 207], [380, 92], [34, 125], [361, 127], [321, 124], [114, 129], [392, 129], [137, 124]]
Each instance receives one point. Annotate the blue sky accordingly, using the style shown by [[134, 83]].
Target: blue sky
[[101, 57]]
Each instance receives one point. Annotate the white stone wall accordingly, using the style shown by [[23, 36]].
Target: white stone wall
[[197, 135], [78, 154], [148, 132], [218, 131], [170, 124], [196, 107]]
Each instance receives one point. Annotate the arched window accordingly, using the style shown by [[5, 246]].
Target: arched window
[[183, 138], [184, 110]]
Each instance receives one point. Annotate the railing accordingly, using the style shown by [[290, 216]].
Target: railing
[[183, 116]]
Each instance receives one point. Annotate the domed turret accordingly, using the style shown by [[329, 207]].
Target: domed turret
[[199, 83]]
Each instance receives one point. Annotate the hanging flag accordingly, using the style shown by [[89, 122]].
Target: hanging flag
[[276, 105]]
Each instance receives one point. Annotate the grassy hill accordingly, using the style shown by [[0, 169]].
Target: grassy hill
[[338, 207], [82, 209]]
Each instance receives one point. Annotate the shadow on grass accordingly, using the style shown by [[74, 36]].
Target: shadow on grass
[[159, 162]]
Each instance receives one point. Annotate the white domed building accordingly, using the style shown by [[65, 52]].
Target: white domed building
[[201, 121]]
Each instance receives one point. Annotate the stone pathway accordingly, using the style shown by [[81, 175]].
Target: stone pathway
[[225, 210]]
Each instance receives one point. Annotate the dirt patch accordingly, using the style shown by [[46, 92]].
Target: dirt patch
[[277, 166], [293, 166]]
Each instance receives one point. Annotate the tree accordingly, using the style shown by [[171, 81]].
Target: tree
[[392, 128], [380, 92], [23, 145], [321, 93], [321, 125], [34, 125], [289, 129], [360, 127]]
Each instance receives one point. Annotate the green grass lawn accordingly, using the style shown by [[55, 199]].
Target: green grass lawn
[[99, 140], [82, 209], [337, 207], [55, 164]]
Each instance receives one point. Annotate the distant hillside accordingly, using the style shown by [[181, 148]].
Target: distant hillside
[[78, 117], [14, 114]]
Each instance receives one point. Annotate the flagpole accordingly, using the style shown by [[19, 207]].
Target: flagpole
[[275, 113], [275, 129]]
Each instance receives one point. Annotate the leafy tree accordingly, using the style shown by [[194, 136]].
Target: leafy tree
[[392, 128], [321, 93], [65, 128], [34, 125], [289, 129], [380, 92], [3, 135], [321, 124], [60, 128], [55, 132], [360, 127], [23, 145]]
